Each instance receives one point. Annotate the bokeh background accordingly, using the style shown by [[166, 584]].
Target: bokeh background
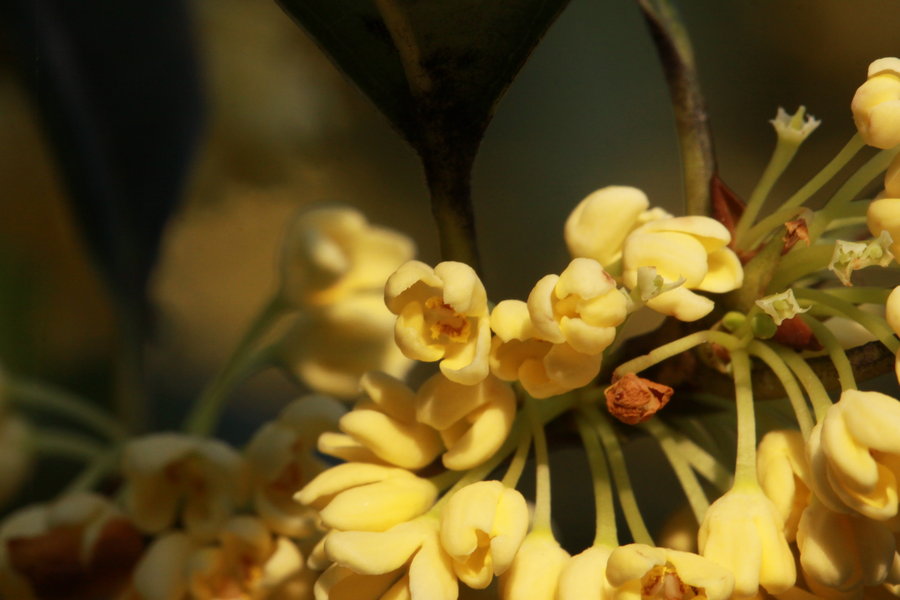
[[286, 130]]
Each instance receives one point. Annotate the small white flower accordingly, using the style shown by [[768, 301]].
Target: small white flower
[[781, 306], [796, 127]]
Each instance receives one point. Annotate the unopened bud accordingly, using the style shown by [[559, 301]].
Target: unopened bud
[[634, 399]]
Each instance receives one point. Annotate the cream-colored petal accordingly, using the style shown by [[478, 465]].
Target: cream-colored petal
[[584, 277], [845, 454], [597, 227], [540, 307], [873, 419], [709, 232], [379, 506], [583, 576], [631, 562], [161, 573], [510, 321], [717, 582], [570, 368], [682, 304], [490, 427], [407, 445], [892, 307], [412, 335], [586, 338], [343, 446], [340, 583], [675, 255], [463, 289], [431, 575], [374, 553], [390, 395], [468, 363], [608, 310], [534, 573], [441, 402], [397, 289], [725, 272]]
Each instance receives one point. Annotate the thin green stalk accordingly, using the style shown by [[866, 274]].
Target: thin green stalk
[[542, 497], [673, 348], [850, 149], [745, 465], [696, 497], [873, 323], [835, 351], [65, 444], [702, 461], [816, 391], [620, 475], [517, 464], [32, 395], [860, 294], [94, 472], [788, 382], [604, 509], [798, 264], [757, 234]]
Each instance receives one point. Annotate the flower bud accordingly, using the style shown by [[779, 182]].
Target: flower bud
[[876, 104], [584, 576], [534, 573], [783, 472]]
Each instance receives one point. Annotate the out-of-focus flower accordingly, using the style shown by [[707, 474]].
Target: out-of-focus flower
[[876, 104], [78, 546], [796, 127], [861, 448], [543, 368], [172, 475], [581, 307], [482, 527], [473, 420], [330, 347], [783, 472], [598, 226], [892, 314], [281, 460], [410, 552], [641, 571], [384, 423], [843, 552], [584, 576], [534, 572], [246, 562], [892, 179], [15, 456], [367, 497], [693, 248], [442, 314], [331, 253], [781, 306], [883, 215], [743, 532], [852, 256]]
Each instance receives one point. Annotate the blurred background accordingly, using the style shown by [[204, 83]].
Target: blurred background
[[284, 129]]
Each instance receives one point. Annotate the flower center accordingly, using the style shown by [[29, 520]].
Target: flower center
[[445, 322], [663, 583]]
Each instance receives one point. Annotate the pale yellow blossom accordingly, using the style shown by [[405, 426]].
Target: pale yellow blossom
[[841, 551], [442, 314], [783, 471], [383, 422], [581, 307], [794, 128], [543, 368], [473, 420], [330, 253], [743, 532], [367, 497], [852, 256], [876, 104], [247, 561], [330, 347], [583, 577], [482, 527], [692, 248], [892, 179], [597, 227], [883, 215], [411, 550], [534, 572], [172, 476], [861, 449], [892, 314], [281, 459], [638, 571], [781, 306]]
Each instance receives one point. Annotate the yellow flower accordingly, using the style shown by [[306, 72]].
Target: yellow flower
[[473, 420], [783, 472], [692, 248], [843, 552], [639, 571], [383, 423], [330, 347], [534, 572], [482, 527], [281, 460], [876, 104], [367, 497], [883, 215], [330, 253], [172, 475], [861, 449], [581, 307], [442, 314], [743, 532], [411, 552], [543, 368], [892, 314], [597, 227], [583, 577]]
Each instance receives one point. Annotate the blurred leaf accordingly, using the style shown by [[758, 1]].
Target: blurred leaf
[[116, 84], [436, 69]]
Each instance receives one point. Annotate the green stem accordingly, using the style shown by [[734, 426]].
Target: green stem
[[29, 395], [860, 295], [788, 382], [835, 351], [696, 497], [757, 234], [604, 509], [94, 472], [620, 475], [517, 464], [65, 444], [873, 323], [745, 465], [673, 348], [702, 461], [673, 47], [850, 149], [799, 263], [542, 499], [816, 391]]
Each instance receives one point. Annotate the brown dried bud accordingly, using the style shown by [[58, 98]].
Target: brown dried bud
[[795, 231], [796, 334], [633, 399]]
